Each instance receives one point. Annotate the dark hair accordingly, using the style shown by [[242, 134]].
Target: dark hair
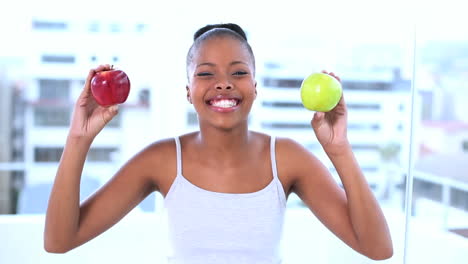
[[218, 30], [234, 27]]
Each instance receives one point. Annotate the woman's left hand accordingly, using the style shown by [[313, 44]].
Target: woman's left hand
[[331, 127]]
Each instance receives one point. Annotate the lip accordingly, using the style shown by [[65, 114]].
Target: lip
[[223, 109]]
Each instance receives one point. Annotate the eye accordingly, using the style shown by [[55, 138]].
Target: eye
[[240, 73], [201, 74]]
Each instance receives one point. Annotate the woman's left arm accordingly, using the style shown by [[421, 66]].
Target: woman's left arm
[[353, 214], [367, 220]]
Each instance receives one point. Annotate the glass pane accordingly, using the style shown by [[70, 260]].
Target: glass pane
[[373, 58], [376, 76], [439, 215]]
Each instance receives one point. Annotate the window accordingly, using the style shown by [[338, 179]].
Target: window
[[101, 154], [54, 89], [46, 115], [368, 85], [94, 26], [282, 83], [49, 25], [115, 27], [58, 59], [53, 154], [141, 27], [47, 154], [370, 48]]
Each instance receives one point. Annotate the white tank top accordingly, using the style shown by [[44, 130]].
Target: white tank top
[[207, 227]]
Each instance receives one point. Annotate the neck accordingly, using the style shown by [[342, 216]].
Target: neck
[[227, 145]]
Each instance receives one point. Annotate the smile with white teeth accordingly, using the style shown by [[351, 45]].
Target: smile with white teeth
[[224, 103]]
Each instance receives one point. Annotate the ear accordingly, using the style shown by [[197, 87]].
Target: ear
[[189, 98], [255, 90]]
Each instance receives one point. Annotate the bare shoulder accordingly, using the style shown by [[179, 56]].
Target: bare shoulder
[[159, 149], [295, 161], [292, 151], [158, 162], [290, 154], [156, 153], [261, 139], [288, 145]]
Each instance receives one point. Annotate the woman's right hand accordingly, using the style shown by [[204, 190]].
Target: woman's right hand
[[89, 118]]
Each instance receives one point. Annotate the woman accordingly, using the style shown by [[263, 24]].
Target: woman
[[225, 187]]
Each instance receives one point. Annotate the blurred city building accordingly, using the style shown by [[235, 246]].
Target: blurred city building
[[36, 113]]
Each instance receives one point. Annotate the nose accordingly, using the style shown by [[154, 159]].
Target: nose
[[223, 85]]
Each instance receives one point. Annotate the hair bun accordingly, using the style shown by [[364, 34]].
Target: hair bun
[[231, 26]]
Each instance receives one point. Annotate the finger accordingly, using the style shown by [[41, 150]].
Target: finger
[[336, 76], [318, 116], [340, 108], [91, 74], [86, 88], [109, 113], [332, 74], [104, 67], [342, 101]]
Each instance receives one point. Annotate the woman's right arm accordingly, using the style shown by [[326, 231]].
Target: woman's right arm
[[69, 223]]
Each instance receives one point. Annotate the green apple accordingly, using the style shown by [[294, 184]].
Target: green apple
[[320, 92]]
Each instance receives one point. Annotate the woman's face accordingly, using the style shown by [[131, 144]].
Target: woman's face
[[221, 84]]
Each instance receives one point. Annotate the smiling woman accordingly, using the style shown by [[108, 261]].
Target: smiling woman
[[49, 45], [225, 187]]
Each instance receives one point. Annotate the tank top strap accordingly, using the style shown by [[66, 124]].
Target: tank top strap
[[282, 195], [273, 157], [179, 155]]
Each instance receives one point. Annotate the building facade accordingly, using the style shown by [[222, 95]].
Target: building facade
[[63, 52]]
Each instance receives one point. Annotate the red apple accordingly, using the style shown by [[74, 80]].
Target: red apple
[[110, 87]]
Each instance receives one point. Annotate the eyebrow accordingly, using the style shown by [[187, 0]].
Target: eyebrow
[[212, 64]]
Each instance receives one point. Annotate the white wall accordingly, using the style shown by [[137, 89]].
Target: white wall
[[141, 238]]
